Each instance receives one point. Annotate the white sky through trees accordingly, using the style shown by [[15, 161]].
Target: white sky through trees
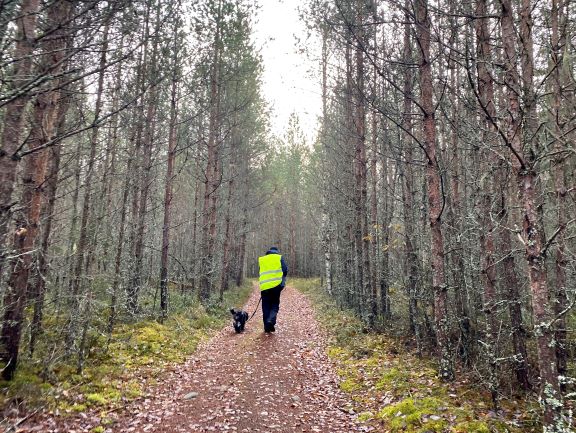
[[290, 79]]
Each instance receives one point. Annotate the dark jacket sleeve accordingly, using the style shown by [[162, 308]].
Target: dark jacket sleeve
[[284, 271]]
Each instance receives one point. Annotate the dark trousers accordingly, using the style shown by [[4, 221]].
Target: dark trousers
[[270, 307]]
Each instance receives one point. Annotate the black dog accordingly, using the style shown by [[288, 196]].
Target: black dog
[[240, 319]]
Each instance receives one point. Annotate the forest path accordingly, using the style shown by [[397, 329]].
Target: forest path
[[250, 382]]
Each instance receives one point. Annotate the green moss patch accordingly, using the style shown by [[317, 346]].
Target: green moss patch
[[414, 414], [472, 427]]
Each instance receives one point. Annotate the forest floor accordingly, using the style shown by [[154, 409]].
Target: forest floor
[[249, 382], [393, 390], [320, 372]]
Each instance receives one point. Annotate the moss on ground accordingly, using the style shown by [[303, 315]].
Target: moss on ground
[[392, 388], [118, 368]]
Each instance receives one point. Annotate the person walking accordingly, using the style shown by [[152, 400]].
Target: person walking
[[273, 271]]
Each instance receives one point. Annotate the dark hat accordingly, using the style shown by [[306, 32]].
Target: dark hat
[[273, 249]]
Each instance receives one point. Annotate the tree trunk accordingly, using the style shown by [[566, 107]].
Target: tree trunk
[[487, 247], [376, 230], [109, 173], [212, 182], [387, 212], [362, 238], [487, 101], [435, 198], [552, 402], [225, 277], [234, 145], [454, 208], [14, 113], [83, 237], [511, 283], [407, 179], [48, 211], [121, 235], [33, 177], [194, 246], [326, 223], [168, 190], [292, 238], [145, 181], [242, 249], [143, 78], [558, 40]]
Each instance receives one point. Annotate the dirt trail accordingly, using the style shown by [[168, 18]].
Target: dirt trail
[[252, 382]]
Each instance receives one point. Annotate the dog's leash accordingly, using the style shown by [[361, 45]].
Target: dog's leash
[[256, 309]]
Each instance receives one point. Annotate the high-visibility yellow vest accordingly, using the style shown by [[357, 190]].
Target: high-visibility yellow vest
[[270, 271]]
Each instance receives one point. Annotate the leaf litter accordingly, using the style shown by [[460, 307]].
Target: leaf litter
[[251, 382]]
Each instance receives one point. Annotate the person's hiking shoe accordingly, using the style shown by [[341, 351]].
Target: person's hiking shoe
[[269, 328]]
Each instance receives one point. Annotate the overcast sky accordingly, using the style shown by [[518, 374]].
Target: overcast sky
[[287, 84]]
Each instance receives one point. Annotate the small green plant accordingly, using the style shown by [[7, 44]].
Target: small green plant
[[96, 399], [472, 427], [415, 414], [365, 416], [78, 407], [350, 385]]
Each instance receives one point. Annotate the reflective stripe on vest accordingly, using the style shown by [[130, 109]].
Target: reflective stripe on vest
[[270, 271]]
